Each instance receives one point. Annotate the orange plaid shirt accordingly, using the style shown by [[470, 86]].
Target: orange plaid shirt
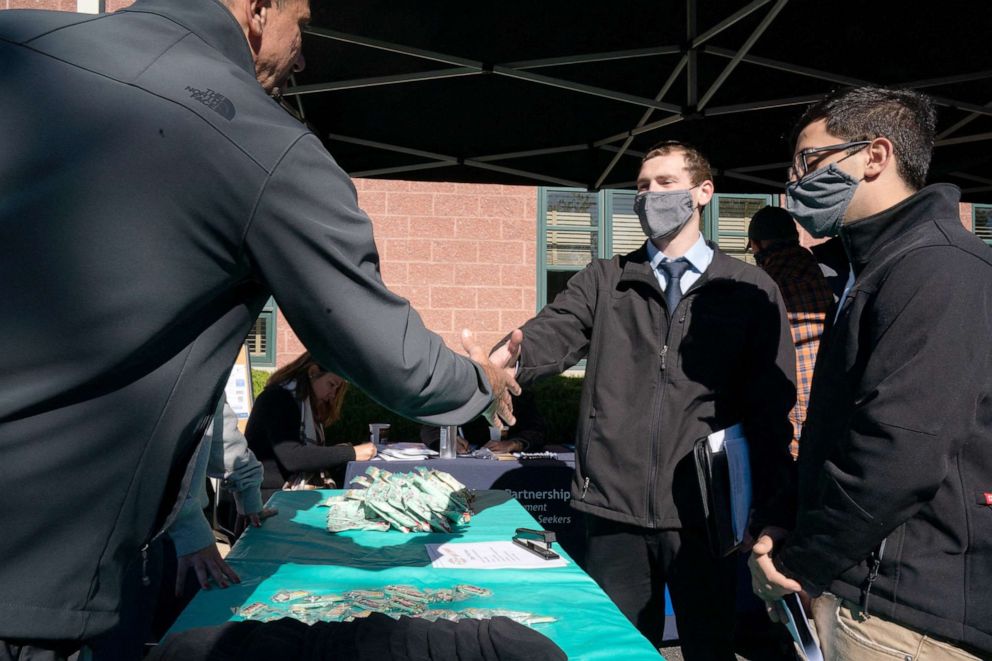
[[808, 299]]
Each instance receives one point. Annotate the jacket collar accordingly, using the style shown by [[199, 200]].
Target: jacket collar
[[207, 19], [864, 237], [637, 268]]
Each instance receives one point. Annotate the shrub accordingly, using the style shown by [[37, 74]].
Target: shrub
[[258, 379]]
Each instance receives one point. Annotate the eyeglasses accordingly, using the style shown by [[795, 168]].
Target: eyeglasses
[[800, 166]]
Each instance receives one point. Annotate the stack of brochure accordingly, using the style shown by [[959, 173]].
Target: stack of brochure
[[405, 452]]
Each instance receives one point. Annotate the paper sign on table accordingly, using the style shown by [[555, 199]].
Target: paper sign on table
[[487, 555]]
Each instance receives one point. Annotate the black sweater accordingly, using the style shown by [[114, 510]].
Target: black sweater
[[273, 434]]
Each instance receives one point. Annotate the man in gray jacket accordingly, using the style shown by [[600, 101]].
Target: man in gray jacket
[[154, 196]]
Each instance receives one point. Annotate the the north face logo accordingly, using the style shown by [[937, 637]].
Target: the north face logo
[[213, 100]]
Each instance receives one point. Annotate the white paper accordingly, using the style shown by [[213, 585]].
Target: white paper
[[799, 628], [406, 452], [487, 555]]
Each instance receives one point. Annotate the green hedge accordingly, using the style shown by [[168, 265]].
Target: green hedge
[[557, 399], [258, 379]]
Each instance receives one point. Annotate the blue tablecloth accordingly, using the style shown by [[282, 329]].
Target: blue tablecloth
[[294, 551]]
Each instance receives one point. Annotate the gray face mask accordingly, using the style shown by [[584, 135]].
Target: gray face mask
[[663, 213], [818, 200]]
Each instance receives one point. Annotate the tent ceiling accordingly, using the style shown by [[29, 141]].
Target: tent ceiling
[[560, 93]]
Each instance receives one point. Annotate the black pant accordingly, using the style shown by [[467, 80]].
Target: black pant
[[633, 564]]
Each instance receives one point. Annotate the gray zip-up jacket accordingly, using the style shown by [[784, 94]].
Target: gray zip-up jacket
[[152, 197], [225, 455]]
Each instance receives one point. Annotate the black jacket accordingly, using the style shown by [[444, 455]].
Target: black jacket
[[274, 434], [898, 441], [377, 637], [152, 197], [653, 388]]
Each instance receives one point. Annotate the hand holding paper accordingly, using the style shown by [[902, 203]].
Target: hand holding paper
[[768, 582]]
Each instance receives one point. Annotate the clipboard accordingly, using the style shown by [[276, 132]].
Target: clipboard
[[723, 468]]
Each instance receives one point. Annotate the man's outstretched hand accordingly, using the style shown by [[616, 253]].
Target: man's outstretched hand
[[500, 373]]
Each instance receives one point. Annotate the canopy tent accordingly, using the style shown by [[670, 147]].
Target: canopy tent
[[572, 94]]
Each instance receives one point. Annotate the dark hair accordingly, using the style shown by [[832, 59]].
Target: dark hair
[[695, 163], [905, 117]]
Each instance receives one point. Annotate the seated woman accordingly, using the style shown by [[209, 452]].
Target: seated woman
[[286, 428]]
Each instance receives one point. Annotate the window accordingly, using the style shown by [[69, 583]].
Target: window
[[262, 337], [981, 221], [576, 226], [726, 219], [568, 237]]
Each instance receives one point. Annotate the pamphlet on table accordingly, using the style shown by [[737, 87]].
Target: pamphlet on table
[[487, 555]]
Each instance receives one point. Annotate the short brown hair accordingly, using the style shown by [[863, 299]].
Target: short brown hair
[[697, 165]]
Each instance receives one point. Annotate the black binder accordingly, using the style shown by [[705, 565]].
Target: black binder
[[713, 471]]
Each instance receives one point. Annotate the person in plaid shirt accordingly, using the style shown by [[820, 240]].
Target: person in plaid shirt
[[774, 240]]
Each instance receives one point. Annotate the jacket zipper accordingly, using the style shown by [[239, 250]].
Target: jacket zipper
[[663, 354], [585, 487], [874, 562], [144, 566]]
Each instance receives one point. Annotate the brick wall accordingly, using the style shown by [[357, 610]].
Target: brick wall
[[59, 5], [964, 210], [465, 255]]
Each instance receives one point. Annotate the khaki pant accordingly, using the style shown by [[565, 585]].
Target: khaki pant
[[847, 635]]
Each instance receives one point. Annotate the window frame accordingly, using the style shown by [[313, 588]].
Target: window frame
[[711, 215], [974, 220], [268, 359], [542, 238]]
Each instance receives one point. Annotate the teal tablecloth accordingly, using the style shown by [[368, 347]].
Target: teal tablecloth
[[294, 551]]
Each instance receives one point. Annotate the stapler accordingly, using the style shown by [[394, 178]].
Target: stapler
[[537, 542]]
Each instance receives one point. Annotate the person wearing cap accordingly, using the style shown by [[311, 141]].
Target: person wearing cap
[[774, 241]]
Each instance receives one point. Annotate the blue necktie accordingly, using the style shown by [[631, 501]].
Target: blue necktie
[[673, 290]]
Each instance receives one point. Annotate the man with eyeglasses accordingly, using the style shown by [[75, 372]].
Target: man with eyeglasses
[[894, 529]]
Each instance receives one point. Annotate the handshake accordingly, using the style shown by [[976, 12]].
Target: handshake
[[500, 369]]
